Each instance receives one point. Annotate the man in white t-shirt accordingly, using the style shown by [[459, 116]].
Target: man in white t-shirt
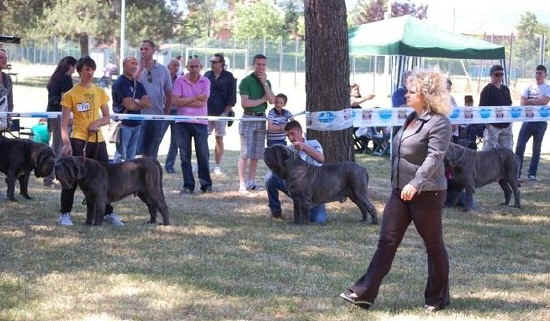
[[536, 94]]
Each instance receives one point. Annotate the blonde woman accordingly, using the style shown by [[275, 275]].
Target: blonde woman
[[418, 193]]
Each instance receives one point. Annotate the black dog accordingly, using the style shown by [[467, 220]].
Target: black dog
[[471, 169], [104, 183], [309, 185], [19, 158]]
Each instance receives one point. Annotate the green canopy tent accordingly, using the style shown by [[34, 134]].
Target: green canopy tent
[[408, 39]]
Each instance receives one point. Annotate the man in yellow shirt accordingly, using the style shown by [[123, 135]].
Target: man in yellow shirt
[[84, 101]]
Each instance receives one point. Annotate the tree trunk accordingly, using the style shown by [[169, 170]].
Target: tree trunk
[[84, 45], [327, 72]]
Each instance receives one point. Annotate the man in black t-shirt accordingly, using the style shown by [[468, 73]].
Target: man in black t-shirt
[[496, 94], [129, 97]]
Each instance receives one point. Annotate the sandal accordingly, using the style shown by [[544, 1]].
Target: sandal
[[352, 298]]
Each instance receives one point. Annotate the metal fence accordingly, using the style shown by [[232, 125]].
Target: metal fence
[[284, 56]]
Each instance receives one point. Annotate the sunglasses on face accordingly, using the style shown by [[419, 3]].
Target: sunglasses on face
[[498, 74], [214, 61]]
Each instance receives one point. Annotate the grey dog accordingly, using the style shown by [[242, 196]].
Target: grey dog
[[310, 185], [472, 169], [19, 158], [104, 183]]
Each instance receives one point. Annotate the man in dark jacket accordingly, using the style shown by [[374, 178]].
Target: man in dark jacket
[[221, 101]]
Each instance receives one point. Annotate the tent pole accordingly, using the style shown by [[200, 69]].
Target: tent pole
[[374, 71]]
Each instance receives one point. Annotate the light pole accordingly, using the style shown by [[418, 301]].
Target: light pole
[[387, 79], [122, 33]]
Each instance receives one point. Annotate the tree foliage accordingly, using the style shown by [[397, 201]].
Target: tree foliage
[[291, 17], [201, 18], [258, 20], [374, 10], [20, 17], [83, 19], [528, 43]]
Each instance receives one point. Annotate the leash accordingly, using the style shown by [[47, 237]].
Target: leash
[[85, 148]]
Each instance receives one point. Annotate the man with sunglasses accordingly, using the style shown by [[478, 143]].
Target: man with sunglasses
[[221, 101], [535, 95], [158, 85], [496, 94]]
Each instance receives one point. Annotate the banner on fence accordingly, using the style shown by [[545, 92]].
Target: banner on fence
[[381, 117]]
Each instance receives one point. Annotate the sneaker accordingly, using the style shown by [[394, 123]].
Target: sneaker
[[169, 170], [207, 189], [252, 186], [113, 219], [532, 178], [65, 219], [217, 171], [242, 188]]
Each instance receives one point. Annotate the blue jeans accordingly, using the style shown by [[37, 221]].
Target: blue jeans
[[152, 132], [184, 132], [276, 142], [536, 130], [128, 143], [274, 184], [173, 150]]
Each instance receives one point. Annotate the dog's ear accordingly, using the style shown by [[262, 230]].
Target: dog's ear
[[45, 162], [285, 153], [65, 172], [455, 153]]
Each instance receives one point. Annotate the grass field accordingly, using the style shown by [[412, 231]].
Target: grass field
[[225, 259]]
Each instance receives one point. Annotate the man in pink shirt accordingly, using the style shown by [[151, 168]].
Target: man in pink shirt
[[190, 95]]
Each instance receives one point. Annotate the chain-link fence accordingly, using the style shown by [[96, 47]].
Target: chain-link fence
[[286, 60], [284, 55]]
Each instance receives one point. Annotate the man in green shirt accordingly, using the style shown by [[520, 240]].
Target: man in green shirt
[[255, 91]]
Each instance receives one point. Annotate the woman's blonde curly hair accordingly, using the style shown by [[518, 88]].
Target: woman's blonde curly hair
[[433, 86]]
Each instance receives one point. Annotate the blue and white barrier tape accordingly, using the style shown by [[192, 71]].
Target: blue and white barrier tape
[[367, 117], [133, 116], [381, 117]]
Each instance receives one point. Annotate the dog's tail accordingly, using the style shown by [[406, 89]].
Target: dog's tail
[[158, 177], [370, 207]]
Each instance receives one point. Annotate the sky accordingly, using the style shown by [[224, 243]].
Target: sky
[[479, 16]]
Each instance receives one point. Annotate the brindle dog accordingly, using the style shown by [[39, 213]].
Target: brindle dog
[[104, 183], [309, 185]]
